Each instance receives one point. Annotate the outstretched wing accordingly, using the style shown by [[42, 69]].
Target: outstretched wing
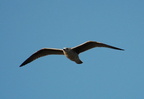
[[91, 44], [40, 53]]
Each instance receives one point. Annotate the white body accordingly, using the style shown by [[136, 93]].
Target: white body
[[72, 55]]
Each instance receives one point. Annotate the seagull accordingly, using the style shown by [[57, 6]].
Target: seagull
[[70, 53]]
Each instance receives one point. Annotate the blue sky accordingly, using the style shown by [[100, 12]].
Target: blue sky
[[29, 25]]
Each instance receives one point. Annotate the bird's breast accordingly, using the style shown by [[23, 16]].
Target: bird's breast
[[71, 55]]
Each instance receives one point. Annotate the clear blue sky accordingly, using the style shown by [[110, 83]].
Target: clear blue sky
[[29, 25]]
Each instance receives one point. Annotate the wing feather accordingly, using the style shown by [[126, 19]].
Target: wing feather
[[40, 53], [91, 44]]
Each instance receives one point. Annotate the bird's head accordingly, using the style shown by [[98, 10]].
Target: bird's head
[[67, 49]]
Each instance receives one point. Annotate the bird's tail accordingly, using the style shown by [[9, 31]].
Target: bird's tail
[[79, 62]]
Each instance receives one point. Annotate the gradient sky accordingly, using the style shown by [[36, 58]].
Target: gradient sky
[[29, 25]]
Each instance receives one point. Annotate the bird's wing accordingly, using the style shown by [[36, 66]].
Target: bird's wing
[[91, 44], [42, 52]]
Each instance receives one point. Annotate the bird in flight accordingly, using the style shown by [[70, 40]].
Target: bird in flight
[[70, 53]]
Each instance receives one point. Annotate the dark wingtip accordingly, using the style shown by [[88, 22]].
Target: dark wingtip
[[118, 48], [22, 65], [122, 49]]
